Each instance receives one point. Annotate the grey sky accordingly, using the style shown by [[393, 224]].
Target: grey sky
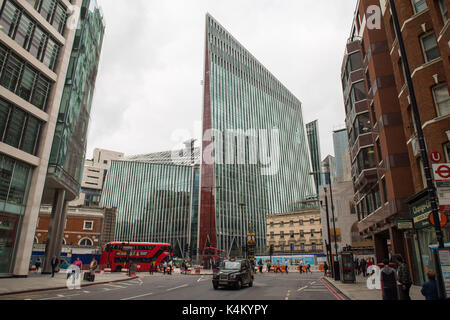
[[148, 86]]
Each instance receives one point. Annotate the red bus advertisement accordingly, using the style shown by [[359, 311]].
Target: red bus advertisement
[[213, 257], [119, 255]]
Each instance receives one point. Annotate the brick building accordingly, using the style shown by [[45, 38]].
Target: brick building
[[378, 152], [426, 34]]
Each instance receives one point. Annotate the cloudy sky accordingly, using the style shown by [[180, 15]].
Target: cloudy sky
[[149, 83]]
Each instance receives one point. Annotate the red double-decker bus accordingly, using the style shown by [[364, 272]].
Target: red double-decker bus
[[119, 255], [213, 257]]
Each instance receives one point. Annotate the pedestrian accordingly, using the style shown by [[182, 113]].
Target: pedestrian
[[268, 266], [93, 266], [152, 267], [165, 266], [183, 267], [429, 288], [388, 282], [308, 268], [38, 264], [325, 268], [78, 263], [278, 267], [170, 267], [54, 262], [301, 266], [357, 266], [286, 265], [363, 267], [260, 265], [404, 279]]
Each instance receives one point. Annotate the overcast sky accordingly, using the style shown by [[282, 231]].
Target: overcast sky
[[149, 81]]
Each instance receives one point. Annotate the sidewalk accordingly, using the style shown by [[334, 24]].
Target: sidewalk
[[39, 282], [359, 290]]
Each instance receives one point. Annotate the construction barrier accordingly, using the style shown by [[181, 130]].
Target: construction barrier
[[107, 270]]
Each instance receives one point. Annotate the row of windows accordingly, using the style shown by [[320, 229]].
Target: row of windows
[[20, 78], [292, 233], [19, 26], [18, 128], [371, 202], [302, 247], [14, 180], [291, 223], [52, 11]]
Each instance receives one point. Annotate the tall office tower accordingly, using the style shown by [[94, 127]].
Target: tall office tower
[[342, 155], [255, 153], [68, 152], [35, 47], [156, 198], [312, 130]]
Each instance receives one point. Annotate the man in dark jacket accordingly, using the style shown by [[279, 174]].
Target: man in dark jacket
[[429, 288], [55, 263], [388, 282], [404, 279]]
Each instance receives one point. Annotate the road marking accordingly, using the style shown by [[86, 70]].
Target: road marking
[[140, 296], [302, 288], [128, 284], [61, 296], [312, 282], [114, 285], [184, 285], [86, 291]]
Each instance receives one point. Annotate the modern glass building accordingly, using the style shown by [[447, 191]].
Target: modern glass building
[[35, 46], [341, 152], [156, 201], [262, 169], [312, 130]]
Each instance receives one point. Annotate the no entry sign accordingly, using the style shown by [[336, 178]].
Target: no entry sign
[[442, 174]]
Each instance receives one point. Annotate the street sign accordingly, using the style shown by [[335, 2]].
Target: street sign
[[442, 218], [444, 198], [442, 174], [436, 157], [404, 224]]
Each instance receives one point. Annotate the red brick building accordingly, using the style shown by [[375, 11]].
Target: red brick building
[[84, 227], [426, 34]]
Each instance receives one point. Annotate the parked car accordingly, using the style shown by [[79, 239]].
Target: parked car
[[233, 273]]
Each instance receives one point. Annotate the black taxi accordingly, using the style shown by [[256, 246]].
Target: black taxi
[[233, 273]]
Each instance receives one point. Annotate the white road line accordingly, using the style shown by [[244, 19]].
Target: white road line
[[59, 296], [128, 284], [184, 285], [302, 288], [114, 285], [142, 295]]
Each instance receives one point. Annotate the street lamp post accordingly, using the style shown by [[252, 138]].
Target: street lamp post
[[329, 253], [336, 262]]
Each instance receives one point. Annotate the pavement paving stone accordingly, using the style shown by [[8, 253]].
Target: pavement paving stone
[[360, 291]]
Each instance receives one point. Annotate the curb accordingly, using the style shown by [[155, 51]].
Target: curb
[[59, 288], [337, 289]]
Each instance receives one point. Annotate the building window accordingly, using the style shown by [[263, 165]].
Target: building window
[[272, 235], [86, 242], [312, 232], [311, 221], [282, 234], [419, 5], [88, 225], [271, 224], [301, 222], [313, 247], [302, 233], [281, 224], [430, 47], [444, 10], [358, 92], [385, 195], [302, 247], [291, 234], [447, 151], [442, 99], [291, 223]]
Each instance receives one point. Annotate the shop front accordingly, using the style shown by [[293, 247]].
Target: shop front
[[424, 233]]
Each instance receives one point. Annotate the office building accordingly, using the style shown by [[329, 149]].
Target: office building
[[312, 130], [255, 153], [35, 50]]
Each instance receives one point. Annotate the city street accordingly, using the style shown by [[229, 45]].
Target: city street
[[292, 286]]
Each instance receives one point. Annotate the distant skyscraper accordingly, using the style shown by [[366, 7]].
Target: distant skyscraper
[[342, 155], [264, 168], [312, 130]]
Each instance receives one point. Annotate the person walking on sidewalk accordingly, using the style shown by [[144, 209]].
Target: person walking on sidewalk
[[164, 267], [308, 268], [38, 264], [325, 268], [388, 282], [278, 267], [286, 266], [404, 279], [54, 262], [152, 267], [363, 267], [429, 288]]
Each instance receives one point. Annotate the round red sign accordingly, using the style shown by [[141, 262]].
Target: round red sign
[[443, 171], [443, 217]]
